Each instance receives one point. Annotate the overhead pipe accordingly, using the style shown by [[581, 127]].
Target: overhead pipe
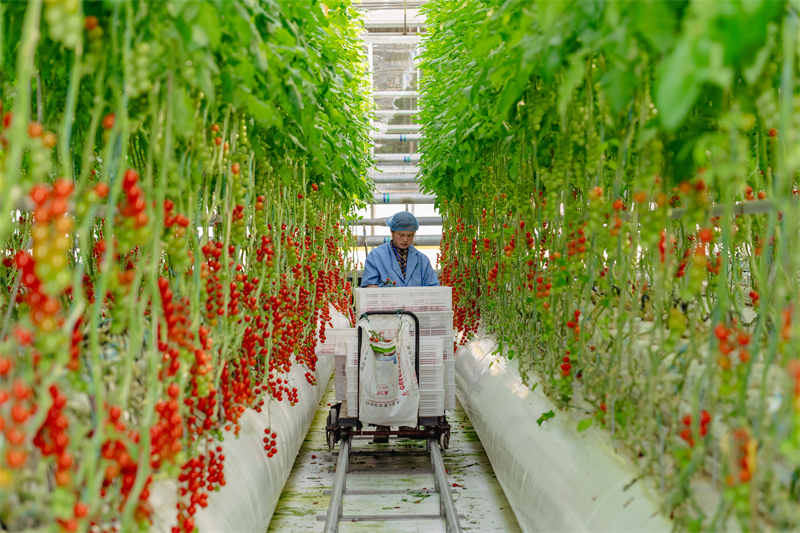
[[386, 38], [394, 128], [397, 136], [402, 198], [397, 158], [415, 22], [395, 111], [423, 221], [370, 4], [397, 188], [419, 240], [394, 178], [383, 16], [397, 94], [397, 169]]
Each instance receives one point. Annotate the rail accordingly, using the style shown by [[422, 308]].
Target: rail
[[337, 492], [447, 506]]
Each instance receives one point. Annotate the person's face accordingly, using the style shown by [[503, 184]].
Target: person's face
[[403, 239]]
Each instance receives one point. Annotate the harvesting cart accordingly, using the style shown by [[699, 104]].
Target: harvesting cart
[[344, 424]]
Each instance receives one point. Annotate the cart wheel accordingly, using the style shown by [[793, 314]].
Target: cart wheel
[[333, 420], [444, 439]]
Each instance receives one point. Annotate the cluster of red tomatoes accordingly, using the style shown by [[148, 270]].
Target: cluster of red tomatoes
[[278, 317], [686, 432], [14, 429], [133, 205], [215, 297], [731, 339], [199, 476], [269, 442], [566, 366], [746, 449], [466, 313], [121, 462]]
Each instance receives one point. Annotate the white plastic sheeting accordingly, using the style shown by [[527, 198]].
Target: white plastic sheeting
[[555, 478], [253, 481]]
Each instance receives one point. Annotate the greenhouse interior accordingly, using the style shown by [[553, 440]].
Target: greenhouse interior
[[399, 265]]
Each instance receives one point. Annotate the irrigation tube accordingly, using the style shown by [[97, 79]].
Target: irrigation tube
[[253, 481], [555, 478]]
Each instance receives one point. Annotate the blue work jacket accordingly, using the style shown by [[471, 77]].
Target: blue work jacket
[[382, 265]]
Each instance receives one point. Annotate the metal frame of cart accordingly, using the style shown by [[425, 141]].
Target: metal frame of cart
[[434, 429]]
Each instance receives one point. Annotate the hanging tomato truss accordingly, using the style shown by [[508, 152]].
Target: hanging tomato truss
[[618, 182], [173, 176]]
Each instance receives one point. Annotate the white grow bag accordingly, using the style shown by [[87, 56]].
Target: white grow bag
[[253, 481], [555, 478]]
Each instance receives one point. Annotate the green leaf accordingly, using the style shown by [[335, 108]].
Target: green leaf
[[208, 19], [545, 416], [262, 112], [573, 77], [584, 424], [199, 38], [285, 173], [753, 72], [182, 112], [678, 87], [184, 30]]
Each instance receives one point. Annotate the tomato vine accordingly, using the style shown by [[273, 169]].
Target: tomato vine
[[173, 178], [618, 182]]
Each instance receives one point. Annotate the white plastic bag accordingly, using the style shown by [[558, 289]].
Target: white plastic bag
[[389, 391]]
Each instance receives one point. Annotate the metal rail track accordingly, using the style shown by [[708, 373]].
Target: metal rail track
[[447, 507]]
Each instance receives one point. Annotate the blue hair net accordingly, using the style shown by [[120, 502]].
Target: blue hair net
[[402, 221]]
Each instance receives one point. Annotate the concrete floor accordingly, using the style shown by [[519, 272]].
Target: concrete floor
[[477, 493]]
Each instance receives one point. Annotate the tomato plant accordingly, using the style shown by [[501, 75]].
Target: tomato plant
[[173, 176], [618, 182]]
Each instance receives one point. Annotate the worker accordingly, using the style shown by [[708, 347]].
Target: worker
[[397, 263]]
